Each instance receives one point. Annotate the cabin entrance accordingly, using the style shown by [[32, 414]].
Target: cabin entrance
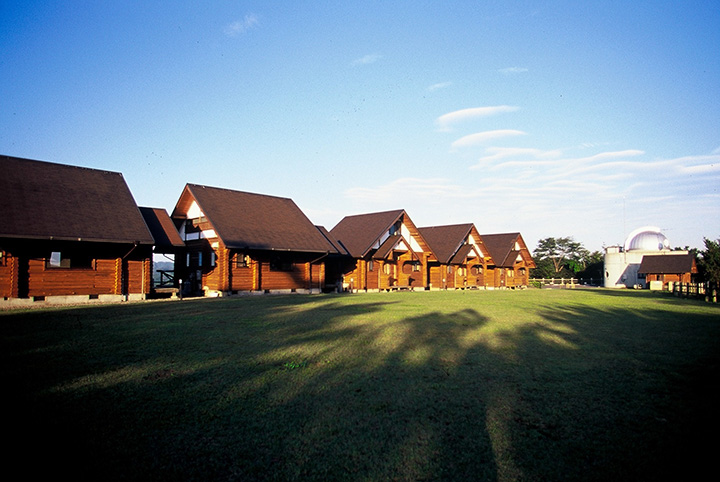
[[23, 277]]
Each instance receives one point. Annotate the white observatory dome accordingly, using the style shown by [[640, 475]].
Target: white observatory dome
[[648, 238]]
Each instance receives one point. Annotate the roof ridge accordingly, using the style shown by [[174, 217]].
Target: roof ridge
[[204, 186]]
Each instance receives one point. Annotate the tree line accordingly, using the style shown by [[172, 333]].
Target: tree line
[[566, 258]]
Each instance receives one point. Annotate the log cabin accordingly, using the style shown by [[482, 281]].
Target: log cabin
[[70, 234], [244, 242], [461, 257], [385, 251], [661, 269], [511, 261]]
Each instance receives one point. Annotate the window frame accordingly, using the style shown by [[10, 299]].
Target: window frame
[[66, 261]]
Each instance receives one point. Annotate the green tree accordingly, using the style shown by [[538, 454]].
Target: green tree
[[556, 257], [594, 267], [709, 262]]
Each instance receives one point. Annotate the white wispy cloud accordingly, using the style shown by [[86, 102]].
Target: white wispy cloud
[[367, 59], [530, 157], [544, 189], [241, 26], [512, 70], [438, 86], [611, 155], [499, 153], [446, 120], [698, 164], [485, 136]]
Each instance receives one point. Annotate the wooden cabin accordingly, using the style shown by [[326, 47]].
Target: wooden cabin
[[661, 269], [461, 257], [243, 242], [70, 234], [385, 252], [511, 261]]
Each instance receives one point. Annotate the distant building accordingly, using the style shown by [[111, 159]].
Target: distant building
[[462, 258], [659, 270], [622, 263], [385, 252]]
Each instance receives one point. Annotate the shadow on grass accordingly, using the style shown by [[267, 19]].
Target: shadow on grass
[[352, 388]]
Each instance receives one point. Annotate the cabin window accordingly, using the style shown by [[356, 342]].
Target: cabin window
[[2, 258], [242, 261], [187, 260], [461, 271], [477, 269], [56, 261], [449, 269], [411, 267], [213, 259], [371, 265], [387, 268], [59, 260], [279, 264], [194, 260]]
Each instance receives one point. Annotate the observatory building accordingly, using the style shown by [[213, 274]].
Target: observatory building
[[623, 263]]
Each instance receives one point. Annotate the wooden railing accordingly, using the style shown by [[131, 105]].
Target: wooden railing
[[706, 291], [540, 282], [167, 279]]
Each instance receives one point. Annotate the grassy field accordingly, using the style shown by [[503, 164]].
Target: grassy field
[[504, 385]]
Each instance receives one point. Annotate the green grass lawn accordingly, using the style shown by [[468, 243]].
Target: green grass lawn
[[498, 385]]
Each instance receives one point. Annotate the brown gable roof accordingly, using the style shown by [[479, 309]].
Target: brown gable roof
[[44, 200], [336, 249], [667, 264], [357, 234], [462, 254], [246, 220], [502, 249], [445, 241], [388, 246], [162, 229], [501, 246]]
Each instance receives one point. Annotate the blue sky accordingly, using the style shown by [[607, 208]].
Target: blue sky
[[551, 118]]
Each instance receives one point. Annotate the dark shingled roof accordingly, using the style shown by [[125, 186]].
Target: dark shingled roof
[[246, 220], [162, 229], [444, 241], [667, 264], [357, 234], [388, 246], [336, 248], [502, 249], [461, 254], [44, 200]]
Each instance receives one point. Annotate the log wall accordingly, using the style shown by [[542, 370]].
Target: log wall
[[22, 277]]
